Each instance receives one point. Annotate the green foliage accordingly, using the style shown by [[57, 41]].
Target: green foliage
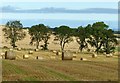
[[46, 32], [102, 38], [82, 33], [63, 34], [14, 32], [38, 33], [109, 41], [97, 35]]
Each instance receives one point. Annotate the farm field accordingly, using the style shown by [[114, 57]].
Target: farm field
[[33, 70], [50, 67], [57, 70]]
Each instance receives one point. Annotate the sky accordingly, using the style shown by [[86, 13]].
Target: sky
[[73, 13]]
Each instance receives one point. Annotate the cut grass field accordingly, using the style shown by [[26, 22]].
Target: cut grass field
[[52, 70], [48, 69]]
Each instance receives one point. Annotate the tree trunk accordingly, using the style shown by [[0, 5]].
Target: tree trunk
[[62, 48], [13, 43], [37, 44], [45, 45], [107, 48]]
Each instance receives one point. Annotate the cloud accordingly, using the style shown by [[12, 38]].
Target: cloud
[[10, 9]]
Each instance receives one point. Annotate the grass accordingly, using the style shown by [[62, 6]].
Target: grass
[[94, 69], [50, 70]]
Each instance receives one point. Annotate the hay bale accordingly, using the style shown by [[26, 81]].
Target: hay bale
[[54, 51], [83, 59], [52, 57], [58, 53], [1, 57], [19, 49], [2, 54], [40, 58], [74, 55], [76, 52], [36, 50], [94, 55], [25, 56], [11, 49], [30, 52], [109, 55], [67, 56], [10, 55]]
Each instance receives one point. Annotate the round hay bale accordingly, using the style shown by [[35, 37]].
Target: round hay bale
[[10, 55], [109, 55], [36, 50], [74, 55], [25, 56], [52, 57], [67, 56], [54, 51], [76, 52], [2, 54], [30, 52], [11, 49], [40, 58], [19, 49], [1, 57], [94, 55], [83, 59], [58, 53]]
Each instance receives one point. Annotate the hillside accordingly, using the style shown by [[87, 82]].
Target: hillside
[[53, 45]]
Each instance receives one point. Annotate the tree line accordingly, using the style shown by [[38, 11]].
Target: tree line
[[97, 35]]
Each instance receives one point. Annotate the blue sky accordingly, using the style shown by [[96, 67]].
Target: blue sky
[[73, 14]]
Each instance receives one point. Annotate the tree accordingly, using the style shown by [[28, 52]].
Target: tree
[[97, 35], [109, 41], [14, 32], [82, 34], [63, 34], [38, 33], [45, 32]]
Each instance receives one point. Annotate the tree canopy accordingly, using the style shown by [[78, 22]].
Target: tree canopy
[[14, 32], [63, 34], [38, 33]]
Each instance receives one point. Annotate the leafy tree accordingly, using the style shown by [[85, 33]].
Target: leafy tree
[[14, 32], [63, 34], [38, 33], [109, 41], [81, 35], [97, 35], [45, 32]]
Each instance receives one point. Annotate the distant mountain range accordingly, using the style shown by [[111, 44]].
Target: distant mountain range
[[10, 9]]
